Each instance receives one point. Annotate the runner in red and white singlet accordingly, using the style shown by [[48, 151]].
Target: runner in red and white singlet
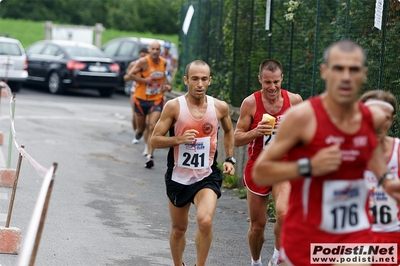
[[259, 143], [257, 133], [316, 204], [383, 208], [329, 141]]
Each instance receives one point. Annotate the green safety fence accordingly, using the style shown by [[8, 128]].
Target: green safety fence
[[231, 36]]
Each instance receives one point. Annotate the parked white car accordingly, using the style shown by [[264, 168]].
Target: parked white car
[[13, 63]]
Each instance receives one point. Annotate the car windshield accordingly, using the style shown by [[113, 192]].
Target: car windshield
[[83, 51], [9, 49]]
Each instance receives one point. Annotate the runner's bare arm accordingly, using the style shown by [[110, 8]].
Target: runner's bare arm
[[377, 163], [167, 119], [378, 166], [166, 86], [269, 167], [243, 135], [297, 128], [134, 73], [226, 123], [126, 76], [295, 98]]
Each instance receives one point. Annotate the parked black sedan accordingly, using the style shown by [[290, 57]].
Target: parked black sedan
[[61, 65], [123, 50]]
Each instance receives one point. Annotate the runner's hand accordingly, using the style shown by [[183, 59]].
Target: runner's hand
[[189, 136], [228, 168], [167, 87], [326, 161], [262, 128], [392, 187]]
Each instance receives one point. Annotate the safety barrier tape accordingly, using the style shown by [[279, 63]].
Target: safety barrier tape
[[40, 170]]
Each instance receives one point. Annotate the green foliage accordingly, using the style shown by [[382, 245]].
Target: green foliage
[[230, 35], [228, 181], [155, 16], [232, 182], [241, 192], [28, 32], [110, 34], [271, 211]]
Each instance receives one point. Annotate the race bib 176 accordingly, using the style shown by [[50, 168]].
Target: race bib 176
[[343, 206]]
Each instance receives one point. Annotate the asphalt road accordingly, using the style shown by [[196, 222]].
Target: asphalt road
[[105, 207]]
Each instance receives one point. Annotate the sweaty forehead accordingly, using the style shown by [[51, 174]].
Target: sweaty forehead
[[199, 71], [154, 46], [354, 56], [267, 74]]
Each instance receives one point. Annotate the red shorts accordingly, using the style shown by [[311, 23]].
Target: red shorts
[[388, 237], [249, 183]]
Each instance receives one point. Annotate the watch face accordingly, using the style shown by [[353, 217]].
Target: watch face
[[390, 176], [231, 160], [304, 167]]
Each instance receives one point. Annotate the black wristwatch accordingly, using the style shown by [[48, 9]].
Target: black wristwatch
[[388, 176], [304, 167], [231, 160]]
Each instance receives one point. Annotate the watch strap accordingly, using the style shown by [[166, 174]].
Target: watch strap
[[231, 160], [384, 177]]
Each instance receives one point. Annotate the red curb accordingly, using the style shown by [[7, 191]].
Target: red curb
[[10, 239], [7, 177]]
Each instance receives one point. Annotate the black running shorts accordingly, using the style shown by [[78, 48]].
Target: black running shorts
[[180, 195]]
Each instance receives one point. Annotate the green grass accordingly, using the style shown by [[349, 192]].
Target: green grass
[[28, 32], [231, 182]]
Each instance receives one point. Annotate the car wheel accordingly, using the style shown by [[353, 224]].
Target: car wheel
[[106, 92], [54, 83], [15, 86], [128, 87]]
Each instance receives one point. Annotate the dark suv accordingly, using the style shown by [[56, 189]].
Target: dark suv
[[123, 50]]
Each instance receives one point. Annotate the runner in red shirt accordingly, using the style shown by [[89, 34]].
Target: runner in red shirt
[[329, 140], [257, 134]]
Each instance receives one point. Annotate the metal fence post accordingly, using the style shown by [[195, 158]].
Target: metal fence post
[[10, 137], [316, 47], [383, 44]]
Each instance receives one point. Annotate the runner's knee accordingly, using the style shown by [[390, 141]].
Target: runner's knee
[[257, 227], [205, 223], [178, 231], [280, 213], [151, 127]]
